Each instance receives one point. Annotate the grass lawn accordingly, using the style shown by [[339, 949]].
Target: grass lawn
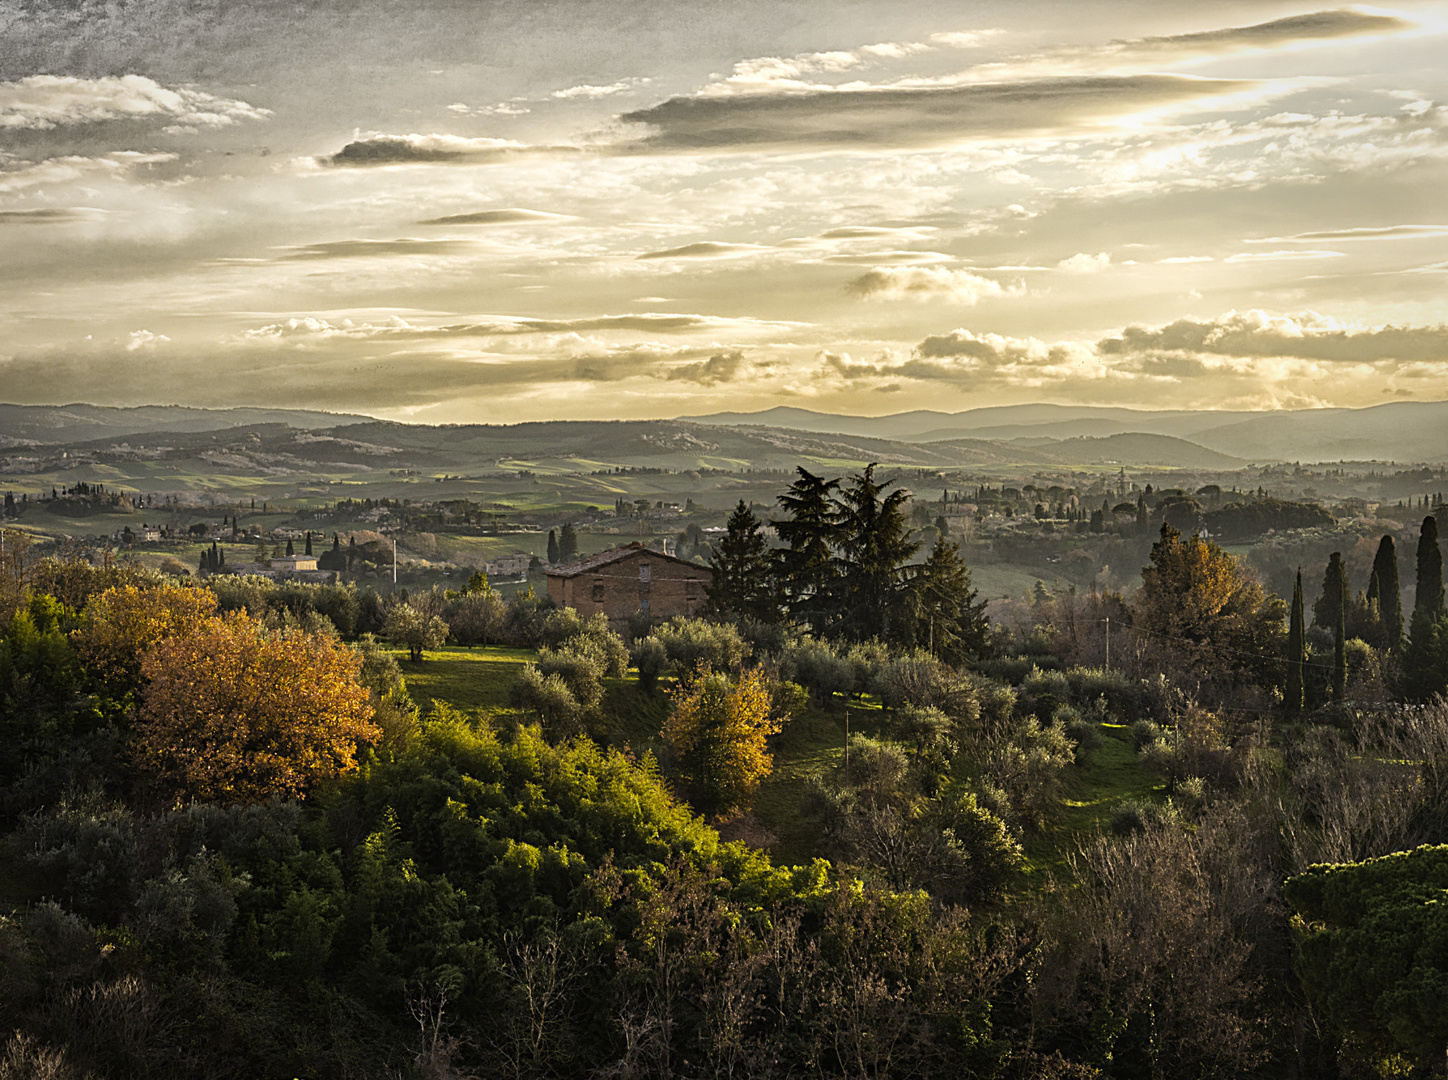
[[1111, 775], [477, 678]]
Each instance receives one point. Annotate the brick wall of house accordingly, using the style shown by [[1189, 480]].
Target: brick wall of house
[[640, 581]]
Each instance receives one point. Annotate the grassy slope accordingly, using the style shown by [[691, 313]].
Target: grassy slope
[[1110, 775]]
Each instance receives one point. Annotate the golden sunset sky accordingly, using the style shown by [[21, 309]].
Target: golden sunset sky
[[464, 211]]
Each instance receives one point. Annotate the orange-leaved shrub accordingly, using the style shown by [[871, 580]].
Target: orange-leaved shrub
[[233, 712]]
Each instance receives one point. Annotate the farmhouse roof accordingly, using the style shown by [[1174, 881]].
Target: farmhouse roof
[[613, 555]]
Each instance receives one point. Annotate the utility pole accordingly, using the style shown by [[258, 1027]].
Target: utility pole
[[394, 565]]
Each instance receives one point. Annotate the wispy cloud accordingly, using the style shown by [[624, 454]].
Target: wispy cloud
[[1306, 335], [1378, 232], [54, 173], [924, 283], [707, 249], [47, 216], [379, 149], [312, 328], [878, 119], [1288, 255], [592, 92], [354, 249], [498, 217], [45, 102]]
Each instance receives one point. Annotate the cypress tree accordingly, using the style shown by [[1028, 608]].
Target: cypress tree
[[1390, 595], [1429, 601], [1334, 587], [1424, 667], [552, 547], [1296, 649], [1339, 640], [309, 542], [290, 551], [568, 543]]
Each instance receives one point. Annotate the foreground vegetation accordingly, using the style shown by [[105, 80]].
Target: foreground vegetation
[[845, 827]]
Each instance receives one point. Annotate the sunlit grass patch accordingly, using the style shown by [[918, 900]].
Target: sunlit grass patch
[[478, 678], [1111, 775]]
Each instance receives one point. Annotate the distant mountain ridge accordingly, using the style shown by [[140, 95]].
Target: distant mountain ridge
[[1402, 431], [51, 424]]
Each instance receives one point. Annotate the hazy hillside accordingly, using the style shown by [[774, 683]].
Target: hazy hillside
[[82, 423], [1399, 431], [1129, 450]]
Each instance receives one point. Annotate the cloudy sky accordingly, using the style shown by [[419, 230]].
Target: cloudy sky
[[502, 210]]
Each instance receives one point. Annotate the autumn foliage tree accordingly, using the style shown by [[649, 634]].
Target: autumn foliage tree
[[123, 622], [718, 734], [233, 712], [1200, 614]]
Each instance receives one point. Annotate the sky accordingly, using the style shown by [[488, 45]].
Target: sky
[[490, 211]]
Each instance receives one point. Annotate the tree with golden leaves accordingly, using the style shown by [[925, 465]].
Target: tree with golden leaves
[[233, 712], [718, 733], [1200, 615], [123, 622]]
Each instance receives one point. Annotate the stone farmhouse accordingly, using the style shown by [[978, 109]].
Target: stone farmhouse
[[624, 580]]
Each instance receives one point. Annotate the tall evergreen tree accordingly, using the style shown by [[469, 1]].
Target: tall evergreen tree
[[1339, 639], [552, 547], [290, 550], [568, 543], [1334, 587], [308, 550], [875, 545], [951, 619], [1424, 667], [1296, 650], [807, 571], [1429, 601], [1390, 594], [742, 585]]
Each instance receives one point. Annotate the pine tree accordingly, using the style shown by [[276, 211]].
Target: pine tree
[[1296, 650], [808, 574], [568, 543], [1390, 595], [875, 545], [742, 585], [951, 619], [552, 547]]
